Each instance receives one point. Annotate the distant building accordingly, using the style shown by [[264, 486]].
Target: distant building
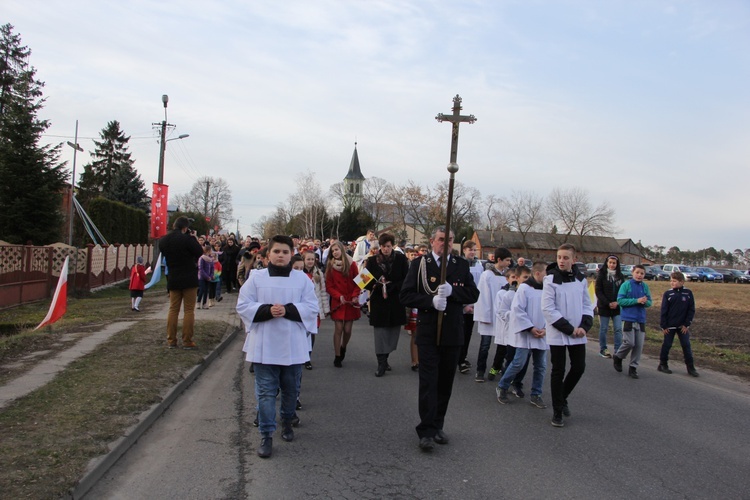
[[353, 183], [543, 246], [631, 254]]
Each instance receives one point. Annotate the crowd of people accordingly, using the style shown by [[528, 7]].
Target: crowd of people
[[288, 285]]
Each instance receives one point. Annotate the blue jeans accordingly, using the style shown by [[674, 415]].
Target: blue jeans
[[268, 380], [203, 291], [484, 350], [604, 326], [539, 358], [684, 338], [217, 285]]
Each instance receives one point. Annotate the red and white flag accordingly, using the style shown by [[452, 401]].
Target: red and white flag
[[59, 300]]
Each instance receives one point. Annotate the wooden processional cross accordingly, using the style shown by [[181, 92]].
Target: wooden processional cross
[[455, 119]]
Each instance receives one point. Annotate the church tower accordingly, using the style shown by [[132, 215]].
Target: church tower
[[353, 183]]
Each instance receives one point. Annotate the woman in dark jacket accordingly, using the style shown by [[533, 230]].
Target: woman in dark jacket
[[229, 264], [387, 313], [607, 285]]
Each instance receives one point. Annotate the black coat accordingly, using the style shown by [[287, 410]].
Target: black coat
[[182, 252], [606, 292], [389, 311], [413, 294]]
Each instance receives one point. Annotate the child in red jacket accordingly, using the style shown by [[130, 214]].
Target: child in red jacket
[[137, 283]]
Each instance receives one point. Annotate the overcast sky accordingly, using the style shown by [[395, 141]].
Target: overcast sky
[[644, 103]]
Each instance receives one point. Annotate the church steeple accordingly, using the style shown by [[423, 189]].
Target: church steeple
[[353, 182]]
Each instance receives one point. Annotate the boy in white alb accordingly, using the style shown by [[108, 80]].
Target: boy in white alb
[[526, 333], [278, 307], [503, 333], [569, 314], [490, 282]]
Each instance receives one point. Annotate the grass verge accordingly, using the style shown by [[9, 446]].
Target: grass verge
[[48, 437]]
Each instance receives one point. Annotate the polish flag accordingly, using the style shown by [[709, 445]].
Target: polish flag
[[59, 300]]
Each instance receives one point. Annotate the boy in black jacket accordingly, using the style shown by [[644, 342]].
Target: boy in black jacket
[[677, 312]]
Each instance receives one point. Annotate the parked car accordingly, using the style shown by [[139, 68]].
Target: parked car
[[733, 276], [627, 271], [655, 273], [708, 274], [581, 267], [690, 275], [592, 269]]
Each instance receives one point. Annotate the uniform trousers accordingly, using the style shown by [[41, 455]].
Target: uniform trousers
[[437, 368]]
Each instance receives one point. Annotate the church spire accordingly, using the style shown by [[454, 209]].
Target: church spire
[[353, 182]]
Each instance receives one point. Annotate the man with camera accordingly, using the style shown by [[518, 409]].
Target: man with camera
[[181, 251]]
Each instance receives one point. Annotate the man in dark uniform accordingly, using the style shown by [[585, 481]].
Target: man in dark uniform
[[182, 251], [437, 361]]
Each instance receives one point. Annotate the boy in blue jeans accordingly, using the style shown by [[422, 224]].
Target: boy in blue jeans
[[634, 297], [677, 312], [526, 333]]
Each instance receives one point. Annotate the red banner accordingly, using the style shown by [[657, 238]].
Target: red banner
[[159, 217]]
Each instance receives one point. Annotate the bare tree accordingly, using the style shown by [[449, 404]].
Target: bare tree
[[210, 197], [310, 203], [525, 213], [572, 212], [375, 191], [497, 214], [337, 196]]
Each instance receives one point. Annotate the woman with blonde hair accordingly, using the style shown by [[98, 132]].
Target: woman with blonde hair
[[339, 278]]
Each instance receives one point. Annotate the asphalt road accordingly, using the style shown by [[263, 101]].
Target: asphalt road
[[662, 436]]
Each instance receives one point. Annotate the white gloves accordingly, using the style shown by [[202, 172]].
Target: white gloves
[[440, 303], [445, 290]]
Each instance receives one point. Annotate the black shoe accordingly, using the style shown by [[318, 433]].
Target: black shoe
[[343, 353], [387, 367], [565, 409], [265, 448], [299, 405], [618, 362], [415, 367], [692, 371], [517, 391], [337, 361], [557, 419], [295, 421], [380, 371], [440, 437], [664, 368], [219, 299], [426, 444], [287, 433], [464, 367], [632, 372], [255, 422], [308, 365]]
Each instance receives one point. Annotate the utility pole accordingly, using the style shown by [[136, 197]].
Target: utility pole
[[76, 147], [163, 143]]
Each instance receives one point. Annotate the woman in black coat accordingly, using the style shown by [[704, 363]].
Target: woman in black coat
[[229, 264], [607, 285], [387, 313]]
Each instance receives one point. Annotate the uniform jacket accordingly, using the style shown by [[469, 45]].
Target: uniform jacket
[[413, 294], [385, 312], [181, 251], [677, 308]]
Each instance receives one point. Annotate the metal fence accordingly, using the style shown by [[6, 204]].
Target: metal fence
[[29, 273]]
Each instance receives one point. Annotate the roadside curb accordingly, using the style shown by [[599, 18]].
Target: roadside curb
[[118, 448]]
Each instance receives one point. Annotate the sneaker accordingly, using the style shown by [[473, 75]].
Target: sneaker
[[255, 422], [537, 401], [566, 409], [299, 405], [464, 366], [517, 391], [632, 372], [605, 353], [617, 362], [557, 419], [190, 346], [295, 421], [479, 377], [266, 447], [664, 368], [502, 395], [492, 373], [692, 372], [308, 365]]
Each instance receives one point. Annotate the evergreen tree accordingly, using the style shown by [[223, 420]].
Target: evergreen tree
[[32, 177], [112, 174]]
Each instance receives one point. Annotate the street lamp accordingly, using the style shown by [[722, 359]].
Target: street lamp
[[164, 140], [76, 148]]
